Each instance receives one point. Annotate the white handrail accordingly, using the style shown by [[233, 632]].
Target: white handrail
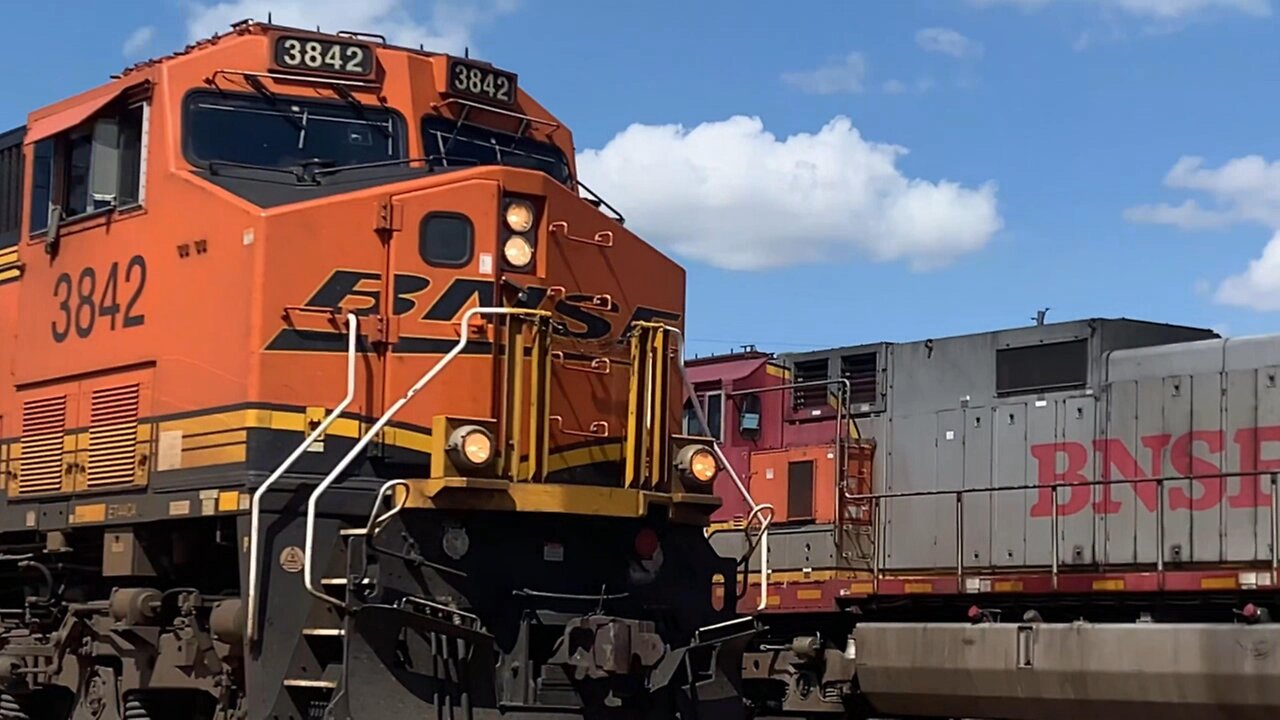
[[255, 512], [756, 509], [313, 501]]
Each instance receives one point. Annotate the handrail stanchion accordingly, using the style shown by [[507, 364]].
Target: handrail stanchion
[[1053, 543], [877, 545], [959, 541], [255, 511], [313, 502], [756, 509], [1275, 530], [1160, 533]]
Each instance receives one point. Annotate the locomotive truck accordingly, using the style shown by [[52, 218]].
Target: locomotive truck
[[1049, 522], [327, 390]]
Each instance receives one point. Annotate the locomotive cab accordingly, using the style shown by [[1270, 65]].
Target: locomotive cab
[[328, 322]]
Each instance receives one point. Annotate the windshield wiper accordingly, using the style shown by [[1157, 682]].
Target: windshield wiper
[[297, 172], [374, 164]]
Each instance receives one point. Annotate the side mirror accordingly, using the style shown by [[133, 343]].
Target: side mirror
[[51, 231], [748, 422]]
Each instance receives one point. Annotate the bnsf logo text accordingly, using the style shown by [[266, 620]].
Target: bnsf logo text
[[580, 316], [1200, 454]]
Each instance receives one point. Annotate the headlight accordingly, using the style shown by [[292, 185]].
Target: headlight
[[698, 463], [470, 446], [518, 251], [519, 216]]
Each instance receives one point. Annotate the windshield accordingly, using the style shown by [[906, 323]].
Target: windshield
[[449, 143], [284, 132]]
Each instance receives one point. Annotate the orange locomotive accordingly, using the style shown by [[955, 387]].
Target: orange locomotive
[[326, 392]]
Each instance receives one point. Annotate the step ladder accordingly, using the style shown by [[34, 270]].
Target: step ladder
[[315, 677]]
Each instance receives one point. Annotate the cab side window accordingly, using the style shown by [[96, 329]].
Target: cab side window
[[91, 168], [713, 407], [10, 187]]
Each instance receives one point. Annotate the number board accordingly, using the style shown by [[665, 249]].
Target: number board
[[481, 83], [317, 55]]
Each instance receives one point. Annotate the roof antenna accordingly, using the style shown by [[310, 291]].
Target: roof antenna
[[1039, 318], [268, 17], [466, 52]]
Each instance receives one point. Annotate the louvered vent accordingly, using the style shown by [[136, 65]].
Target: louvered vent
[[810, 371], [861, 370], [113, 436], [44, 424]]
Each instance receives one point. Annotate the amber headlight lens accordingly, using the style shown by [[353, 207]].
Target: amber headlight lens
[[702, 466], [519, 216], [517, 251], [698, 462], [477, 447], [471, 445]]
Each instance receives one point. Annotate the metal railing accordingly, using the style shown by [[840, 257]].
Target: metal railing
[[255, 511], [841, 465], [878, 500], [757, 510], [464, 337]]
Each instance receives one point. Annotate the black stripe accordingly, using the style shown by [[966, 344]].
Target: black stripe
[[235, 407], [295, 340]]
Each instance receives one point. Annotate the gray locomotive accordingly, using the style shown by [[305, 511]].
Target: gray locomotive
[[1057, 520]]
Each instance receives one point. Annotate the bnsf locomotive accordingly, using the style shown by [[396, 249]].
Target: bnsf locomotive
[[1062, 520], [325, 393]]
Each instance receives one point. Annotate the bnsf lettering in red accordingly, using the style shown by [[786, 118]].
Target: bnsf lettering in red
[[1197, 454]]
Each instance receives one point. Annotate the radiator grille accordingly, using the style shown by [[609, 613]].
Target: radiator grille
[[810, 371], [44, 424], [113, 436]]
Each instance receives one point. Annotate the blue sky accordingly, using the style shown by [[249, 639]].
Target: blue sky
[[1098, 157]]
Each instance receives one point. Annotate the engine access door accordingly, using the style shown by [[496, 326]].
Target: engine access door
[[440, 263]]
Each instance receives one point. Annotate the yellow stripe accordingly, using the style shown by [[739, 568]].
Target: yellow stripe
[[228, 501], [808, 594], [1218, 583], [205, 457], [230, 437], [405, 438], [500, 495], [220, 438], [94, 513], [1112, 584]]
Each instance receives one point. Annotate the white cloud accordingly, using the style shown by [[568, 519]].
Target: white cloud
[[1243, 190], [733, 195], [1150, 9], [947, 42], [1174, 9], [844, 76], [441, 25], [138, 41], [1258, 287]]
